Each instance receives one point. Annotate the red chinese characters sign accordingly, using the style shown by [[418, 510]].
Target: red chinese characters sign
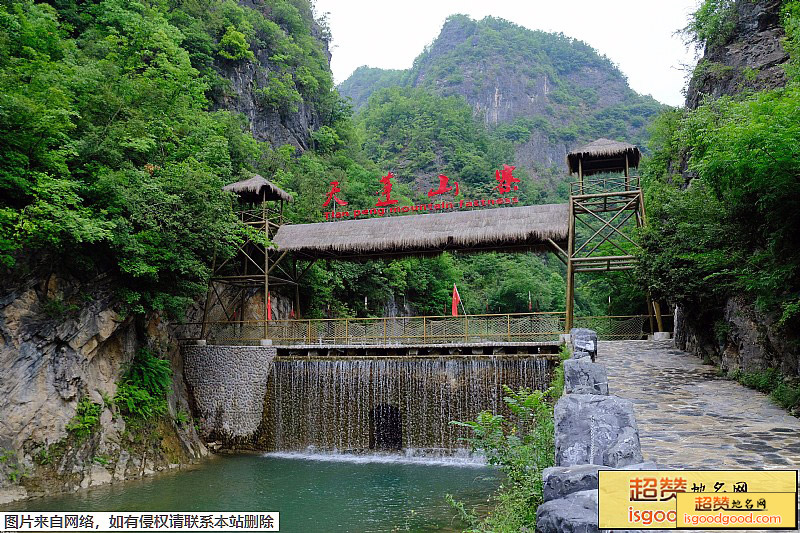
[[443, 187], [505, 179], [332, 195], [387, 191]]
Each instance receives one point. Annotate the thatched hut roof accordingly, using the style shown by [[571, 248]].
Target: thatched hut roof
[[257, 189], [603, 155], [506, 228]]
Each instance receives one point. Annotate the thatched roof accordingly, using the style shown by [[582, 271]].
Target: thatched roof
[[257, 189], [503, 228], [603, 155]]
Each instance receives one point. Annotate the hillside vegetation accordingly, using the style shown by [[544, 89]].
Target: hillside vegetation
[[723, 190], [112, 153]]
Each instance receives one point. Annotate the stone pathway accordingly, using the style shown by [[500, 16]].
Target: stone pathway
[[691, 417]]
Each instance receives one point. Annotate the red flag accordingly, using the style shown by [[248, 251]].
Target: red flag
[[530, 302], [456, 301], [291, 313], [269, 306]]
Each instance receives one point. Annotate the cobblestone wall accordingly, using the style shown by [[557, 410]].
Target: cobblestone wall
[[228, 384]]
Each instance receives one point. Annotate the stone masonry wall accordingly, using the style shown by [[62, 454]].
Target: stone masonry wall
[[227, 385]]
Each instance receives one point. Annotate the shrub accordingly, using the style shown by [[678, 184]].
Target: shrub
[[233, 45], [522, 446], [142, 394], [86, 418]]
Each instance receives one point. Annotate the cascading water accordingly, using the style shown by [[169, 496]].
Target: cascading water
[[355, 405]]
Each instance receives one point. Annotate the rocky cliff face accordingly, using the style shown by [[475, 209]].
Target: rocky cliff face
[[63, 340], [266, 124], [245, 78], [751, 57], [739, 337]]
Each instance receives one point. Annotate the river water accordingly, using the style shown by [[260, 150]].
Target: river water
[[361, 445], [314, 492]]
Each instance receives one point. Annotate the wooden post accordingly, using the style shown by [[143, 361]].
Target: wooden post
[[296, 291], [266, 265], [659, 321], [627, 173], [204, 326], [570, 300]]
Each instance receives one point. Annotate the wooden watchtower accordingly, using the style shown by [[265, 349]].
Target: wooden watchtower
[[241, 283], [606, 208]]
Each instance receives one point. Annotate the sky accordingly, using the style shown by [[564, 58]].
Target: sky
[[636, 35]]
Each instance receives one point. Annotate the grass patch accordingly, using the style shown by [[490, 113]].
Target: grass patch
[[781, 390]]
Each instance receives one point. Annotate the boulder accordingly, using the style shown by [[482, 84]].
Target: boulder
[[581, 376], [560, 481], [580, 354], [626, 450], [595, 429], [575, 513], [585, 340]]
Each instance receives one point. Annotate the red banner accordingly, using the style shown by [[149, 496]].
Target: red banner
[[456, 300]]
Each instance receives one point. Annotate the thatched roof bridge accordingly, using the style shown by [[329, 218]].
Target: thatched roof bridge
[[535, 227]]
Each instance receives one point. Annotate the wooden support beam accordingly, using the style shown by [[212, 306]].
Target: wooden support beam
[[629, 194], [605, 269], [570, 299], [266, 267], [277, 261], [561, 254], [659, 320]]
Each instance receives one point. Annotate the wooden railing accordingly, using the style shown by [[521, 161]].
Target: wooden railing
[[511, 327], [604, 183]]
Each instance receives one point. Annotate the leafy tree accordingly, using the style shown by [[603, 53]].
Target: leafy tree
[[234, 46]]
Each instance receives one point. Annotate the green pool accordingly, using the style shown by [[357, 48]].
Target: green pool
[[313, 492]]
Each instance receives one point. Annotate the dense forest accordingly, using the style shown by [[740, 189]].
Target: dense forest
[[116, 141], [118, 132]]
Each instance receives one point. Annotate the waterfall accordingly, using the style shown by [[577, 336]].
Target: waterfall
[[354, 405]]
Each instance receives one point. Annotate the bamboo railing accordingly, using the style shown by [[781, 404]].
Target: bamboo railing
[[418, 330]]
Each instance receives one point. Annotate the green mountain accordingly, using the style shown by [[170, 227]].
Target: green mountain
[[545, 93]]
